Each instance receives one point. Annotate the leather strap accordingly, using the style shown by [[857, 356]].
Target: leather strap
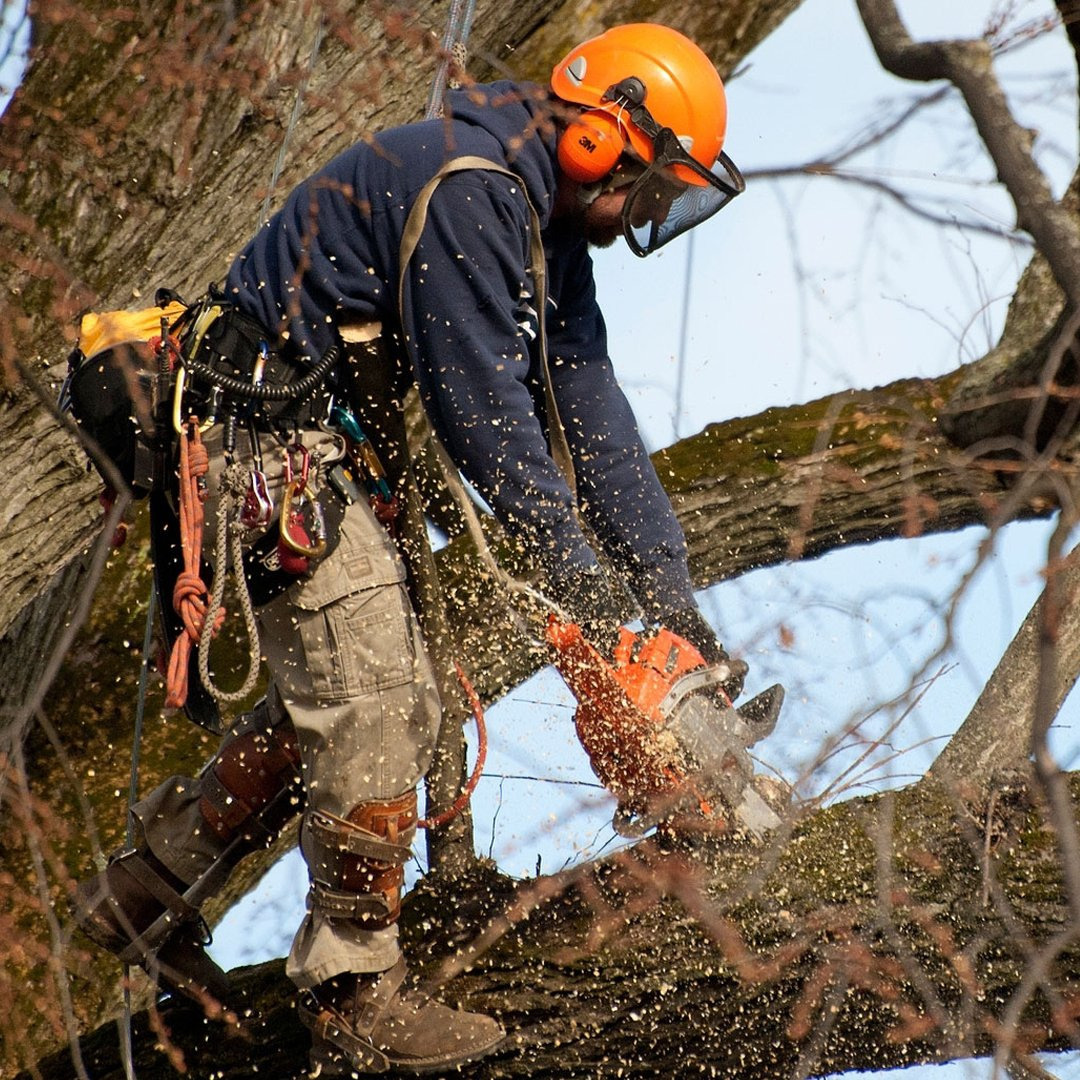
[[336, 836], [352, 1034], [352, 906]]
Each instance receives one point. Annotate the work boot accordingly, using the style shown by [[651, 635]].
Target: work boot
[[368, 1024], [136, 910]]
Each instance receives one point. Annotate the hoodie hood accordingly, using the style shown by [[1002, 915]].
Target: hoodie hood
[[511, 122], [519, 117]]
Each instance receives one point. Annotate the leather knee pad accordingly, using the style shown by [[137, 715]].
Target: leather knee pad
[[359, 861], [245, 786]]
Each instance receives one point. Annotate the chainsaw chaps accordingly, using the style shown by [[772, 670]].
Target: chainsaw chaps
[[662, 735]]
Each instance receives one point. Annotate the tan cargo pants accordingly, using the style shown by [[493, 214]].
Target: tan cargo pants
[[348, 667]]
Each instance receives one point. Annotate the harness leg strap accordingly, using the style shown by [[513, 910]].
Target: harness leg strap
[[136, 909], [139, 910], [357, 863], [242, 788]]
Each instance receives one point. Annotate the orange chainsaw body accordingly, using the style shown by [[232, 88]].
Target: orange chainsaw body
[[618, 719]]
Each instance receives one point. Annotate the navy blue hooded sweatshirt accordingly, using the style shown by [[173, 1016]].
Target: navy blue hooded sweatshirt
[[331, 255]]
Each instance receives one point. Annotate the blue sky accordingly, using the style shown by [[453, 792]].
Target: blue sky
[[14, 39]]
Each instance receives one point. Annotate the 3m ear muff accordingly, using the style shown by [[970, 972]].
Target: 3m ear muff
[[591, 145]]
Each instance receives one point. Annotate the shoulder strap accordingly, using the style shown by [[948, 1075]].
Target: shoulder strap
[[410, 237]]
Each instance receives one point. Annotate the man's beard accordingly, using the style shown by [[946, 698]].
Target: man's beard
[[601, 237], [599, 234]]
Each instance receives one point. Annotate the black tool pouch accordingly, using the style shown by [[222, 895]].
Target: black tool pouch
[[231, 370], [111, 399]]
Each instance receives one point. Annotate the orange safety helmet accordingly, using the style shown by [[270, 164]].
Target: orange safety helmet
[[650, 95]]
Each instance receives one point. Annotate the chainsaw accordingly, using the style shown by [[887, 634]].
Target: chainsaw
[[663, 736]]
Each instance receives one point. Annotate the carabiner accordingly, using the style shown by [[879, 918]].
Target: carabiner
[[178, 405], [258, 508], [305, 464], [291, 527]]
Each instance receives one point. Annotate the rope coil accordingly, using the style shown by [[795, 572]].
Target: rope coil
[[192, 599], [190, 594], [229, 558]]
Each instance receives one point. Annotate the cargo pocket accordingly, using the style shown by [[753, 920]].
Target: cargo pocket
[[372, 641], [353, 617]]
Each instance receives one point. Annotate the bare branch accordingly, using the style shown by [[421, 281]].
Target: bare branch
[[968, 65]]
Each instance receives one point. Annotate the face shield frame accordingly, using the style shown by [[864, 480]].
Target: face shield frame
[[675, 192]]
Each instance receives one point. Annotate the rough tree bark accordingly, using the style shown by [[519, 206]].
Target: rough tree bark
[[880, 932], [135, 155]]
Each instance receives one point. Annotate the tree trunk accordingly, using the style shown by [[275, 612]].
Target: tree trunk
[[880, 932]]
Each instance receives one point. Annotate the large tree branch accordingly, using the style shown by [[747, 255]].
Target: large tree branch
[[883, 932], [996, 735]]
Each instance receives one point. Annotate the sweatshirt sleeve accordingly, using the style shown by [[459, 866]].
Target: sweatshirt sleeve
[[468, 320], [619, 492]]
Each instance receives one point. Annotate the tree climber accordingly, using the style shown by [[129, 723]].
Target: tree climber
[[627, 140]]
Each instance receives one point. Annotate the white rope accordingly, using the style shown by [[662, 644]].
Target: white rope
[[452, 49], [229, 557], [684, 333], [279, 164]]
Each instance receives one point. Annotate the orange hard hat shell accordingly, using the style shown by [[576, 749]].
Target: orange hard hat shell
[[683, 91]]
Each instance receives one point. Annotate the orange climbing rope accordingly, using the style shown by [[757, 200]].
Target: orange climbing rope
[[190, 594], [462, 800]]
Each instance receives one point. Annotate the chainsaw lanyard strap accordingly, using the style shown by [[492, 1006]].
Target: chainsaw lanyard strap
[[466, 793], [410, 237]]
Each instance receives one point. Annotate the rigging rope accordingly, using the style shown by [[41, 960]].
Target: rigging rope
[[684, 330], [455, 38], [453, 52], [190, 594], [294, 118], [126, 1048]]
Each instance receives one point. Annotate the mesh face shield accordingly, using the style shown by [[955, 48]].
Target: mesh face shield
[[674, 194]]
